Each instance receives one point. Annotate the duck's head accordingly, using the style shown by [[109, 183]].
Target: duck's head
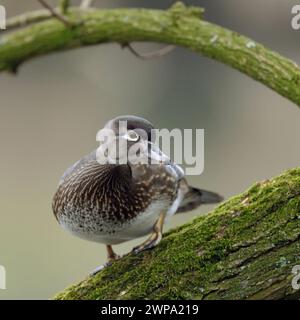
[[128, 139]]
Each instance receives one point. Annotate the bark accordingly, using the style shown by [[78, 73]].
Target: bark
[[180, 25], [245, 249]]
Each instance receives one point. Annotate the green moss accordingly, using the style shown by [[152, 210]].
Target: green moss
[[244, 249]]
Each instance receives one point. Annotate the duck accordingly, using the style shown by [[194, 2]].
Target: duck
[[111, 202]]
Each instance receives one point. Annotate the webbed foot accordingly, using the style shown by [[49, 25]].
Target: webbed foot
[[150, 243]]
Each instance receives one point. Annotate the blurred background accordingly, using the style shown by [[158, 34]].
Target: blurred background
[[50, 113]]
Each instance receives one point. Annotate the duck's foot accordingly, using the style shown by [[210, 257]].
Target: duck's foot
[[111, 257], [150, 243], [100, 268]]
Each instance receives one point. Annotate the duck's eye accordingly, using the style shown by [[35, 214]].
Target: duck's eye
[[132, 136]]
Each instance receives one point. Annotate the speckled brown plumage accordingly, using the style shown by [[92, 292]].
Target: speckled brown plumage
[[110, 191]]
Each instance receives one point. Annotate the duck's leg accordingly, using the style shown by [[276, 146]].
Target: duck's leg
[[111, 255], [155, 236]]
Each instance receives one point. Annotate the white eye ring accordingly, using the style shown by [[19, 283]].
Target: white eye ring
[[131, 135]]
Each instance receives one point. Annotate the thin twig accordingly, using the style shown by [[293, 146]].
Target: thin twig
[[64, 5], [28, 18], [150, 55], [55, 14], [86, 4]]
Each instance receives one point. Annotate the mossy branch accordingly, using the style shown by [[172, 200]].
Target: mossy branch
[[245, 249], [180, 25]]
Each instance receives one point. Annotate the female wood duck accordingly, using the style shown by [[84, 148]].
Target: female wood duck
[[111, 203]]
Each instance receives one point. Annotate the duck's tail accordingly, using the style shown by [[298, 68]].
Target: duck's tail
[[195, 197]]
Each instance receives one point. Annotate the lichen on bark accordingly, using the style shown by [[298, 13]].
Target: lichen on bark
[[244, 249]]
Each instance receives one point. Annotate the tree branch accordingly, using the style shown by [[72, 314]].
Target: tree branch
[[245, 249], [179, 26]]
